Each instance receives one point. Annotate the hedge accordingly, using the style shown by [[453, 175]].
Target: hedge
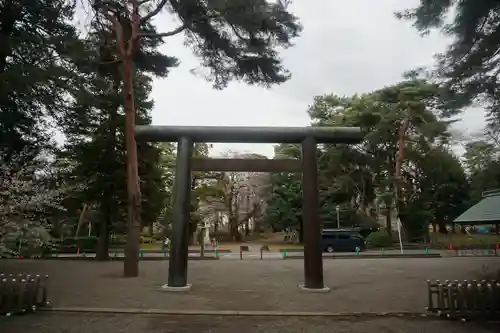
[[71, 244]]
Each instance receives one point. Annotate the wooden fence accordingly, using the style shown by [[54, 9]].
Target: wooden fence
[[22, 293], [464, 299]]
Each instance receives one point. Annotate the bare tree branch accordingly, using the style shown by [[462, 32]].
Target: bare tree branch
[[154, 12], [117, 27], [165, 34]]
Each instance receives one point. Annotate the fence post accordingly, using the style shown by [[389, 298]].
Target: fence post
[[429, 295]]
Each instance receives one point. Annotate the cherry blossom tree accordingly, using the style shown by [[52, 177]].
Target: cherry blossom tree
[[31, 191]]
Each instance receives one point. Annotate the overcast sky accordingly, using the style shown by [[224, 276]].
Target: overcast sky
[[347, 47]]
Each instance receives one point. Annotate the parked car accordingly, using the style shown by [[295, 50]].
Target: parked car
[[342, 240]]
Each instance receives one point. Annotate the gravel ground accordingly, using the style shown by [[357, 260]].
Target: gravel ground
[[361, 285], [80, 323]]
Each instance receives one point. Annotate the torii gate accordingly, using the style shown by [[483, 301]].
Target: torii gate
[[308, 137]]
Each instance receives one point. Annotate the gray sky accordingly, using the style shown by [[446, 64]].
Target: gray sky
[[347, 47]]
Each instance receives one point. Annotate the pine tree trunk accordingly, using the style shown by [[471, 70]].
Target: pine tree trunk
[[301, 231], [128, 50], [233, 229], [399, 163], [131, 262], [388, 220]]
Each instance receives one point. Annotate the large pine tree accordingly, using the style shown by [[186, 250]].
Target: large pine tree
[[95, 131], [35, 71], [235, 39]]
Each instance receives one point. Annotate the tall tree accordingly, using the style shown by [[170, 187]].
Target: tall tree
[[394, 119], [481, 159], [442, 189], [235, 40], [479, 155], [95, 129]]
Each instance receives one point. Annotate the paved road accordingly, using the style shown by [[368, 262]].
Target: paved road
[[80, 323]]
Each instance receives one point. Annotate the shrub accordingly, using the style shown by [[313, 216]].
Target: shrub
[[147, 240], [71, 244], [379, 239], [118, 240], [221, 236], [158, 237], [464, 242]]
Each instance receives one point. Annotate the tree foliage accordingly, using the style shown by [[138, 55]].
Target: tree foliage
[[36, 70], [470, 66], [363, 177]]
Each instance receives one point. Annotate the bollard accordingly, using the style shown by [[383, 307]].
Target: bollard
[[284, 253], [217, 253], [261, 254], [44, 290], [22, 294], [383, 251], [426, 250], [78, 252], [19, 248], [241, 254]]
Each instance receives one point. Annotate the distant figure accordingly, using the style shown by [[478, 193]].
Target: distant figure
[[165, 243]]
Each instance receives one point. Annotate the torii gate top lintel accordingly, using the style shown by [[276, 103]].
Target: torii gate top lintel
[[241, 134]]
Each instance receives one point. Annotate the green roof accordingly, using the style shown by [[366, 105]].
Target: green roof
[[485, 211]]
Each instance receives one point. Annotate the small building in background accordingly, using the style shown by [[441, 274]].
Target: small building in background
[[484, 214]]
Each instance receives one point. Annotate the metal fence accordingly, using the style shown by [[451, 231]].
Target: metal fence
[[22, 293], [464, 299]]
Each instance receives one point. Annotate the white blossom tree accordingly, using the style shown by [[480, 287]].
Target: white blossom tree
[[31, 191], [242, 196]]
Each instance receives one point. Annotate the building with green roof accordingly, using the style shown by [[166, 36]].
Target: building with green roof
[[486, 211]]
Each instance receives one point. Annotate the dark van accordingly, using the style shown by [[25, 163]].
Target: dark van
[[341, 240]]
